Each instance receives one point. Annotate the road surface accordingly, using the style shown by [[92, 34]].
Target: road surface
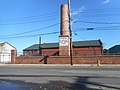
[[62, 77]]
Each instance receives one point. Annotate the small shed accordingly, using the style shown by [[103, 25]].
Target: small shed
[[5, 52]]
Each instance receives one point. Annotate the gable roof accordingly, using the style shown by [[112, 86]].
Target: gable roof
[[89, 43], [50, 45], [3, 43], [44, 45], [115, 49]]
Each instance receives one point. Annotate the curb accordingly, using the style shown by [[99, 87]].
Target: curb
[[63, 65]]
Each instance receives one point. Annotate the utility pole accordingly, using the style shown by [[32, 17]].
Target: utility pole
[[70, 30], [40, 51]]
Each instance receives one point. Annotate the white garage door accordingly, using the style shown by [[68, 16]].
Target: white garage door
[[5, 58]]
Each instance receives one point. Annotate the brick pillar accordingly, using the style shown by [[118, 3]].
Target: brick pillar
[[13, 56], [64, 46]]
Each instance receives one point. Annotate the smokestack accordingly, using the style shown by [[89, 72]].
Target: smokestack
[[64, 20], [64, 39]]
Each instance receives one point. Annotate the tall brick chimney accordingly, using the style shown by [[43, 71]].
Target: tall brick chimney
[[64, 20], [64, 40]]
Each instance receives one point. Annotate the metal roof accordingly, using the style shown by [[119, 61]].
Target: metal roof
[[89, 43], [115, 49], [44, 45]]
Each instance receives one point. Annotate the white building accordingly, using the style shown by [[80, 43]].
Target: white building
[[5, 52]]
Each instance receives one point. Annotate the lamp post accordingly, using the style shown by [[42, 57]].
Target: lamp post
[[70, 30]]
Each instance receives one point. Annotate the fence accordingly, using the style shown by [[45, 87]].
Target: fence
[[103, 59], [85, 59]]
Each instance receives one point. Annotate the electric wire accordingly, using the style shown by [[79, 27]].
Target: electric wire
[[37, 16], [29, 21], [101, 10], [98, 28], [31, 17], [95, 22], [31, 30], [100, 15], [32, 35], [25, 22], [45, 17], [96, 10], [55, 14], [51, 33]]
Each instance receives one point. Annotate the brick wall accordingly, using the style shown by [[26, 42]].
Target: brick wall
[[28, 60], [104, 59], [91, 59]]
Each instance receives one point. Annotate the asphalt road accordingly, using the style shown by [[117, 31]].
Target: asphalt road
[[62, 77]]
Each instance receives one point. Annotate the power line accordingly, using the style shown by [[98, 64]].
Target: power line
[[93, 15], [23, 22], [30, 17], [48, 15], [100, 28], [31, 30], [28, 21], [44, 17], [32, 35], [101, 10], [94, 22], [96, 10]]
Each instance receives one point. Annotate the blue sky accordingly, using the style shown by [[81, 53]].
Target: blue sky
[[23, 21]]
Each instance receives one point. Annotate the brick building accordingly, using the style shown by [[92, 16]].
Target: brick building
[[91, 47], [63, 47]]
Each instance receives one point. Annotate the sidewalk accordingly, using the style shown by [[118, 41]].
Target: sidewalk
[[63, 65]]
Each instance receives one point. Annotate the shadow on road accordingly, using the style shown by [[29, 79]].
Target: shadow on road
[[84, 82], [51, 85], [81, 83]]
